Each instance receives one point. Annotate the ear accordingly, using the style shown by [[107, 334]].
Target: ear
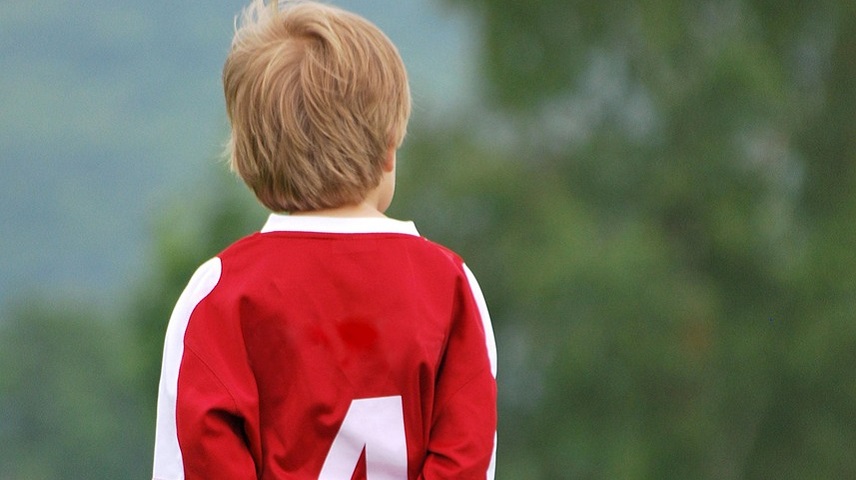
[[389, 160]]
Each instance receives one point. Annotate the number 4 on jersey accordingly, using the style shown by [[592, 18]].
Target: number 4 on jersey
[[376, 425]]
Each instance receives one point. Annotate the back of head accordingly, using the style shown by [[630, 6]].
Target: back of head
[[316, 96]]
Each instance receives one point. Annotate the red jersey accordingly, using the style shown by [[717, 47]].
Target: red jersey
[[329, 348]]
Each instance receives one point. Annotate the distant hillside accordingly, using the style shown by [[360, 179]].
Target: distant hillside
[[111, 109]]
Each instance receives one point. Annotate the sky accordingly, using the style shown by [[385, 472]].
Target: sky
[[112, 110]]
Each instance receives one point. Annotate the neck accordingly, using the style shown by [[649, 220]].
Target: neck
[[374, 204], [362, 209]]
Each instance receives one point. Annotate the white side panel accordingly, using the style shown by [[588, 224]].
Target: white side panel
[[168, 464], [491, 347], [485, 318]]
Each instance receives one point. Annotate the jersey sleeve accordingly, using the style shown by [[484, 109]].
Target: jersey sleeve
[[199, 432], [462, 442]]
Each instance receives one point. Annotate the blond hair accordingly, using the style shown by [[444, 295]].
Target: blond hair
[[316, 96]]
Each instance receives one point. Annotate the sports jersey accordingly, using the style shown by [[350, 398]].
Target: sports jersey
[[329, 348]]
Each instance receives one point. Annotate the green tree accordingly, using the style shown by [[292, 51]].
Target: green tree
[[664, 192], [69, 409]]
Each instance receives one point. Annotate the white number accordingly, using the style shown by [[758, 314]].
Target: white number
[[376, 425]]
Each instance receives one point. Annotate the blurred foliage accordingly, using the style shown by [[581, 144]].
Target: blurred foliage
[[668, 215], [657, 199], [66, 397]]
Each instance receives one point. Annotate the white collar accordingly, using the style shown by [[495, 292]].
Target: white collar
[[320, 224]]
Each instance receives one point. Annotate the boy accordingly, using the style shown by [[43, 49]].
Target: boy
[[336, 343]]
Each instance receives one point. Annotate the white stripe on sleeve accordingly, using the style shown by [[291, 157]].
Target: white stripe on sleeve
[[491, 348], [168, 464], [485, 317]]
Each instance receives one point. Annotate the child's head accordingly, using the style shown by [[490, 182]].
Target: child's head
[[316, 97]]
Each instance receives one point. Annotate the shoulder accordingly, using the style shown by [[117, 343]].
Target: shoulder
[[241, 246], [442, 252], [247, 255], [210, 276], [435, 258], [201, 284]]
